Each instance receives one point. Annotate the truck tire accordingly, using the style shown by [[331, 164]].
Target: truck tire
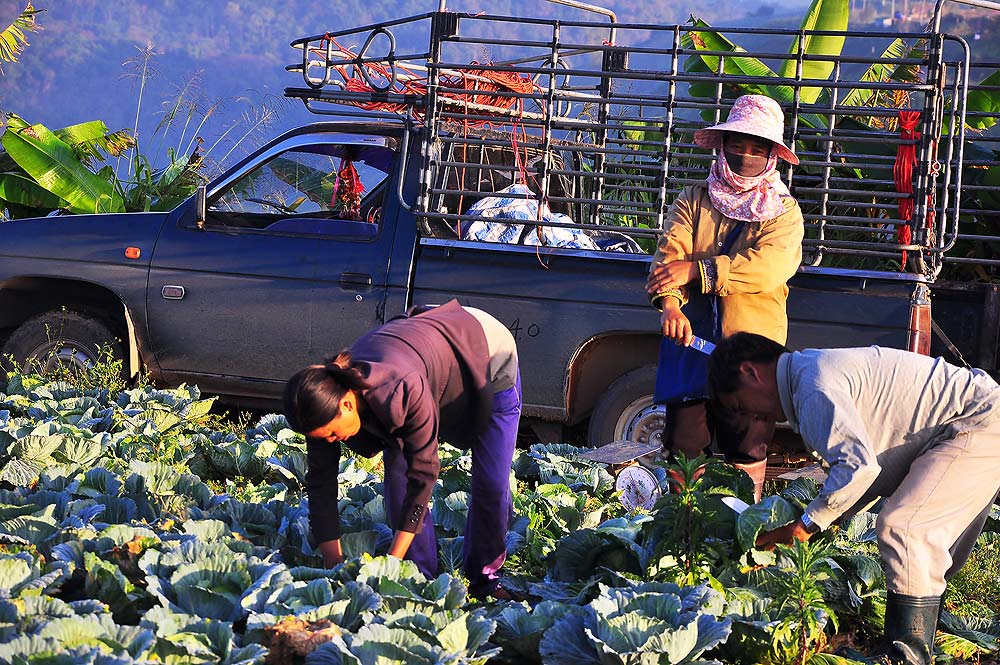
[[61, 339], [626, 411]]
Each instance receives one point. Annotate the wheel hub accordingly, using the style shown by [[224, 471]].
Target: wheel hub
[[642, 421], [62, 356]]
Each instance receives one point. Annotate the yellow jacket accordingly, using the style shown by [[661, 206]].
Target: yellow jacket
[[751, 280]]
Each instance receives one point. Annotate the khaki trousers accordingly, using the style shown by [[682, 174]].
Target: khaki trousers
[[929, 525]]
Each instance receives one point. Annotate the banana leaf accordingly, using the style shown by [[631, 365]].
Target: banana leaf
[[711, 40], [177, 182], [54, 166], [13, 38], [822, 15], [984, 101], [852, 124], [89, 139], [178, 165], [7, 164], [882, 73], [23, 191], [315, 184], [644, 136], [142, 188], [989, 199], [856, 125]]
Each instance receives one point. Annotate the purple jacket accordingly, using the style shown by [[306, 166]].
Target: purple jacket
[[429, 377]]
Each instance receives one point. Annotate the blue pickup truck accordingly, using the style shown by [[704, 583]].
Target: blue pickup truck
[[267, 269]]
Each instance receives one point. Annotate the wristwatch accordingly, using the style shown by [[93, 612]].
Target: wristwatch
[[810, 526]]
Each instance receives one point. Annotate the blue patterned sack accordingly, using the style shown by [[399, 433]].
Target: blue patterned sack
[[508, 210]]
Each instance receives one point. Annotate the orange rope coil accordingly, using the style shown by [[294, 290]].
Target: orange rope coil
[[474, 86]]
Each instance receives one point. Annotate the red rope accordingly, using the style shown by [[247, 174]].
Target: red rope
[[495, 82], [902, 173], [482, 91]]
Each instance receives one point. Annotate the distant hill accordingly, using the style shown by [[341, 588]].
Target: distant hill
[[233, 52]]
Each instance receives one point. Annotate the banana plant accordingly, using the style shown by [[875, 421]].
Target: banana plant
[[822, 15], [59, 163], [88, 169], [885, 73], [22, 195], [828, 15], [71, 168], [14, 38], [983, 105], [163, 189]]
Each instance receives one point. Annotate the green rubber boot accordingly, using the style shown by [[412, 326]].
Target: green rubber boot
[[910, 624]]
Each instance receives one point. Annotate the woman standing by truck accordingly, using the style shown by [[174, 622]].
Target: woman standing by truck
[[445, 371], [734, 240]]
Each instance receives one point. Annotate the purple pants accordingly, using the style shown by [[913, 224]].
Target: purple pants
[[485, 544]]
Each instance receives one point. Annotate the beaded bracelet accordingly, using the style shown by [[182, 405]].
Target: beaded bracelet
[[709, 274], [656, 299]]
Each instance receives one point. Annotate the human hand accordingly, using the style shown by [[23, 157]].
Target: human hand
[[671, 275], [675, 324], [400, 544], [786, 535], [332, 553]]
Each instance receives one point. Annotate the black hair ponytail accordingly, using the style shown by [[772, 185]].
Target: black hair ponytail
[[312, 396], [343, 370]]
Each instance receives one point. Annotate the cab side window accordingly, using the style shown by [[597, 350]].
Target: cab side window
[[317, 190]]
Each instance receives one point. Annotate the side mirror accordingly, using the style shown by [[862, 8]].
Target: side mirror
[[199, 207]]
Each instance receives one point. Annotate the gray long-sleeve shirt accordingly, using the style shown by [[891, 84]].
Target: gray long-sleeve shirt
[[870, 412]]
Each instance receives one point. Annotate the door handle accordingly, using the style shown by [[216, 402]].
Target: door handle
[[172, 292], [355, 279]]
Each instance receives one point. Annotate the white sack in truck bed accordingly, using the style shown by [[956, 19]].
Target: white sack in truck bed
[[508, 210]]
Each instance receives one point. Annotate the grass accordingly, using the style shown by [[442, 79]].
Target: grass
[[105, 374], [975, 589]]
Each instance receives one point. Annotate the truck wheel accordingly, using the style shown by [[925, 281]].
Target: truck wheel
[[626, 410], [62, 340]]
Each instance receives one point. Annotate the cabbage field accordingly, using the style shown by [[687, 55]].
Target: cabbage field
[[136, 526]]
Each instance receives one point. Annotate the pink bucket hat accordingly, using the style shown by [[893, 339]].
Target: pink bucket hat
[[757, 115]]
